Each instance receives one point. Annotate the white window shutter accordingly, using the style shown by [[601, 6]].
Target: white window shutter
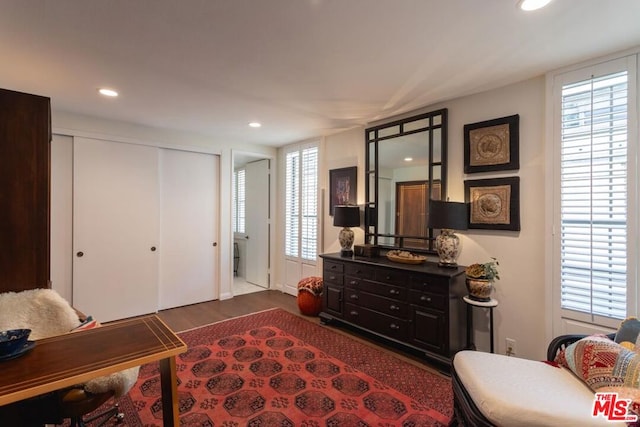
[[593, 196], [239, 203], [301, 203]]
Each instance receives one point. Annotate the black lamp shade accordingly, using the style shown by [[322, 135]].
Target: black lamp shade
[[346, 216], [451, 215]]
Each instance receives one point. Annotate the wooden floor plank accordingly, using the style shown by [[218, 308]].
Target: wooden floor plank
[[195, 315]]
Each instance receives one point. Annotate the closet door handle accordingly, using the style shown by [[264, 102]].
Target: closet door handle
[[153, 248], [80, 254]]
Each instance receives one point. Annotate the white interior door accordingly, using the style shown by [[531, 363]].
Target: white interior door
[[188, 231], [257, 183], [115, 223]]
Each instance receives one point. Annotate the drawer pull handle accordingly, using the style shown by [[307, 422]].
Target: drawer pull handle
[[394, 307], [388, 277], [424, 298], [353, 282], [333, 267], [425, 284], [394, 326], [394, 292], [353, 313], [332, 277], [353, 296]]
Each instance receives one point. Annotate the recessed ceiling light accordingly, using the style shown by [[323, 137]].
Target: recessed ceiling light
[[408, 159], [528, 5], [255, 124], [108, 92]]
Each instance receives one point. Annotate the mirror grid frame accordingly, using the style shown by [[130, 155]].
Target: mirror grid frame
[[373, 136]]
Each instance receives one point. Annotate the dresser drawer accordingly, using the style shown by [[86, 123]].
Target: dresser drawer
[[389, 326], [428, 283], [361, 271], [429, 300], [394, 277], [352, 314], [395, 292], [333, 277], [336, 267], [353, 281], [385, 305], [352, 296]]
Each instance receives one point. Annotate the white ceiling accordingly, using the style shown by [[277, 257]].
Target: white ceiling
[[301, 67]]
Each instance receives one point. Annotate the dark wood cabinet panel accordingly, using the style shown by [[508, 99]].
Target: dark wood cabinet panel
[[428, 329], [25, 136], [333, 300], [416, 307]]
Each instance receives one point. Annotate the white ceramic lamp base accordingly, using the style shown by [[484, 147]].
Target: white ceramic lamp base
[[448, 247], [346, 241]]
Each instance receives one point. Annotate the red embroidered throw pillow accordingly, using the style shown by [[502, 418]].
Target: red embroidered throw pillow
[[601, 362]]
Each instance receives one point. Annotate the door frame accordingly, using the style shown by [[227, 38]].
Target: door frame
[[433, 193], [239, 158]]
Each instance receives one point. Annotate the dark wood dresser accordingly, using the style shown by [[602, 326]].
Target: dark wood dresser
[[415, 307]]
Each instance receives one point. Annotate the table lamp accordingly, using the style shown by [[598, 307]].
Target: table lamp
[[346, 216], [447, 216]]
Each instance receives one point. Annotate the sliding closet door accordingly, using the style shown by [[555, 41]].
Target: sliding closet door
[[115, 259], [189, 214]]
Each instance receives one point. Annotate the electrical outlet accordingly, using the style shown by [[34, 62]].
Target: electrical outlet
[[510, 345]]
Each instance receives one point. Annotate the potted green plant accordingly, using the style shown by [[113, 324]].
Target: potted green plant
[[480, 278]]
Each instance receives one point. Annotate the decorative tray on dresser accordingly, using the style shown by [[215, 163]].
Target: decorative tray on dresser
[[417, 307]]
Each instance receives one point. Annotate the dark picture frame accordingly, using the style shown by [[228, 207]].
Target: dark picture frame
[[343, 187], [492, 145], [494, 204]]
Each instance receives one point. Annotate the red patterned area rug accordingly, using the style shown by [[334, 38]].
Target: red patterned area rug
[[276, 369]]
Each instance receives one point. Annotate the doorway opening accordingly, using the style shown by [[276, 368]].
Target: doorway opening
[[252, 223], [412, 199]]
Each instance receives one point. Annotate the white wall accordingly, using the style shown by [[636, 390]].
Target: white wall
[[521, 313], [342, 150]]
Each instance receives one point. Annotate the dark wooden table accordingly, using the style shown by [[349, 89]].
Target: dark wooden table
[[74, 358]]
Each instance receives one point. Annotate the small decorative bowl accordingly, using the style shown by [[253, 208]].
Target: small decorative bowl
[[13, 340]]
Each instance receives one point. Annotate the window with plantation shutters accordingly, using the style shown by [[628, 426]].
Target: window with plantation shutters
[[309, 200], [301, 203], [239, 201], [292, 204], [593, 232]]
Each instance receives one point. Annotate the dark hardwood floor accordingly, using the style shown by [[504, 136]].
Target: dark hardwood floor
[[192, 316]]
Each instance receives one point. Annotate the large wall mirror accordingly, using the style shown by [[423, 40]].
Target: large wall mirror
[[406, 166]]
